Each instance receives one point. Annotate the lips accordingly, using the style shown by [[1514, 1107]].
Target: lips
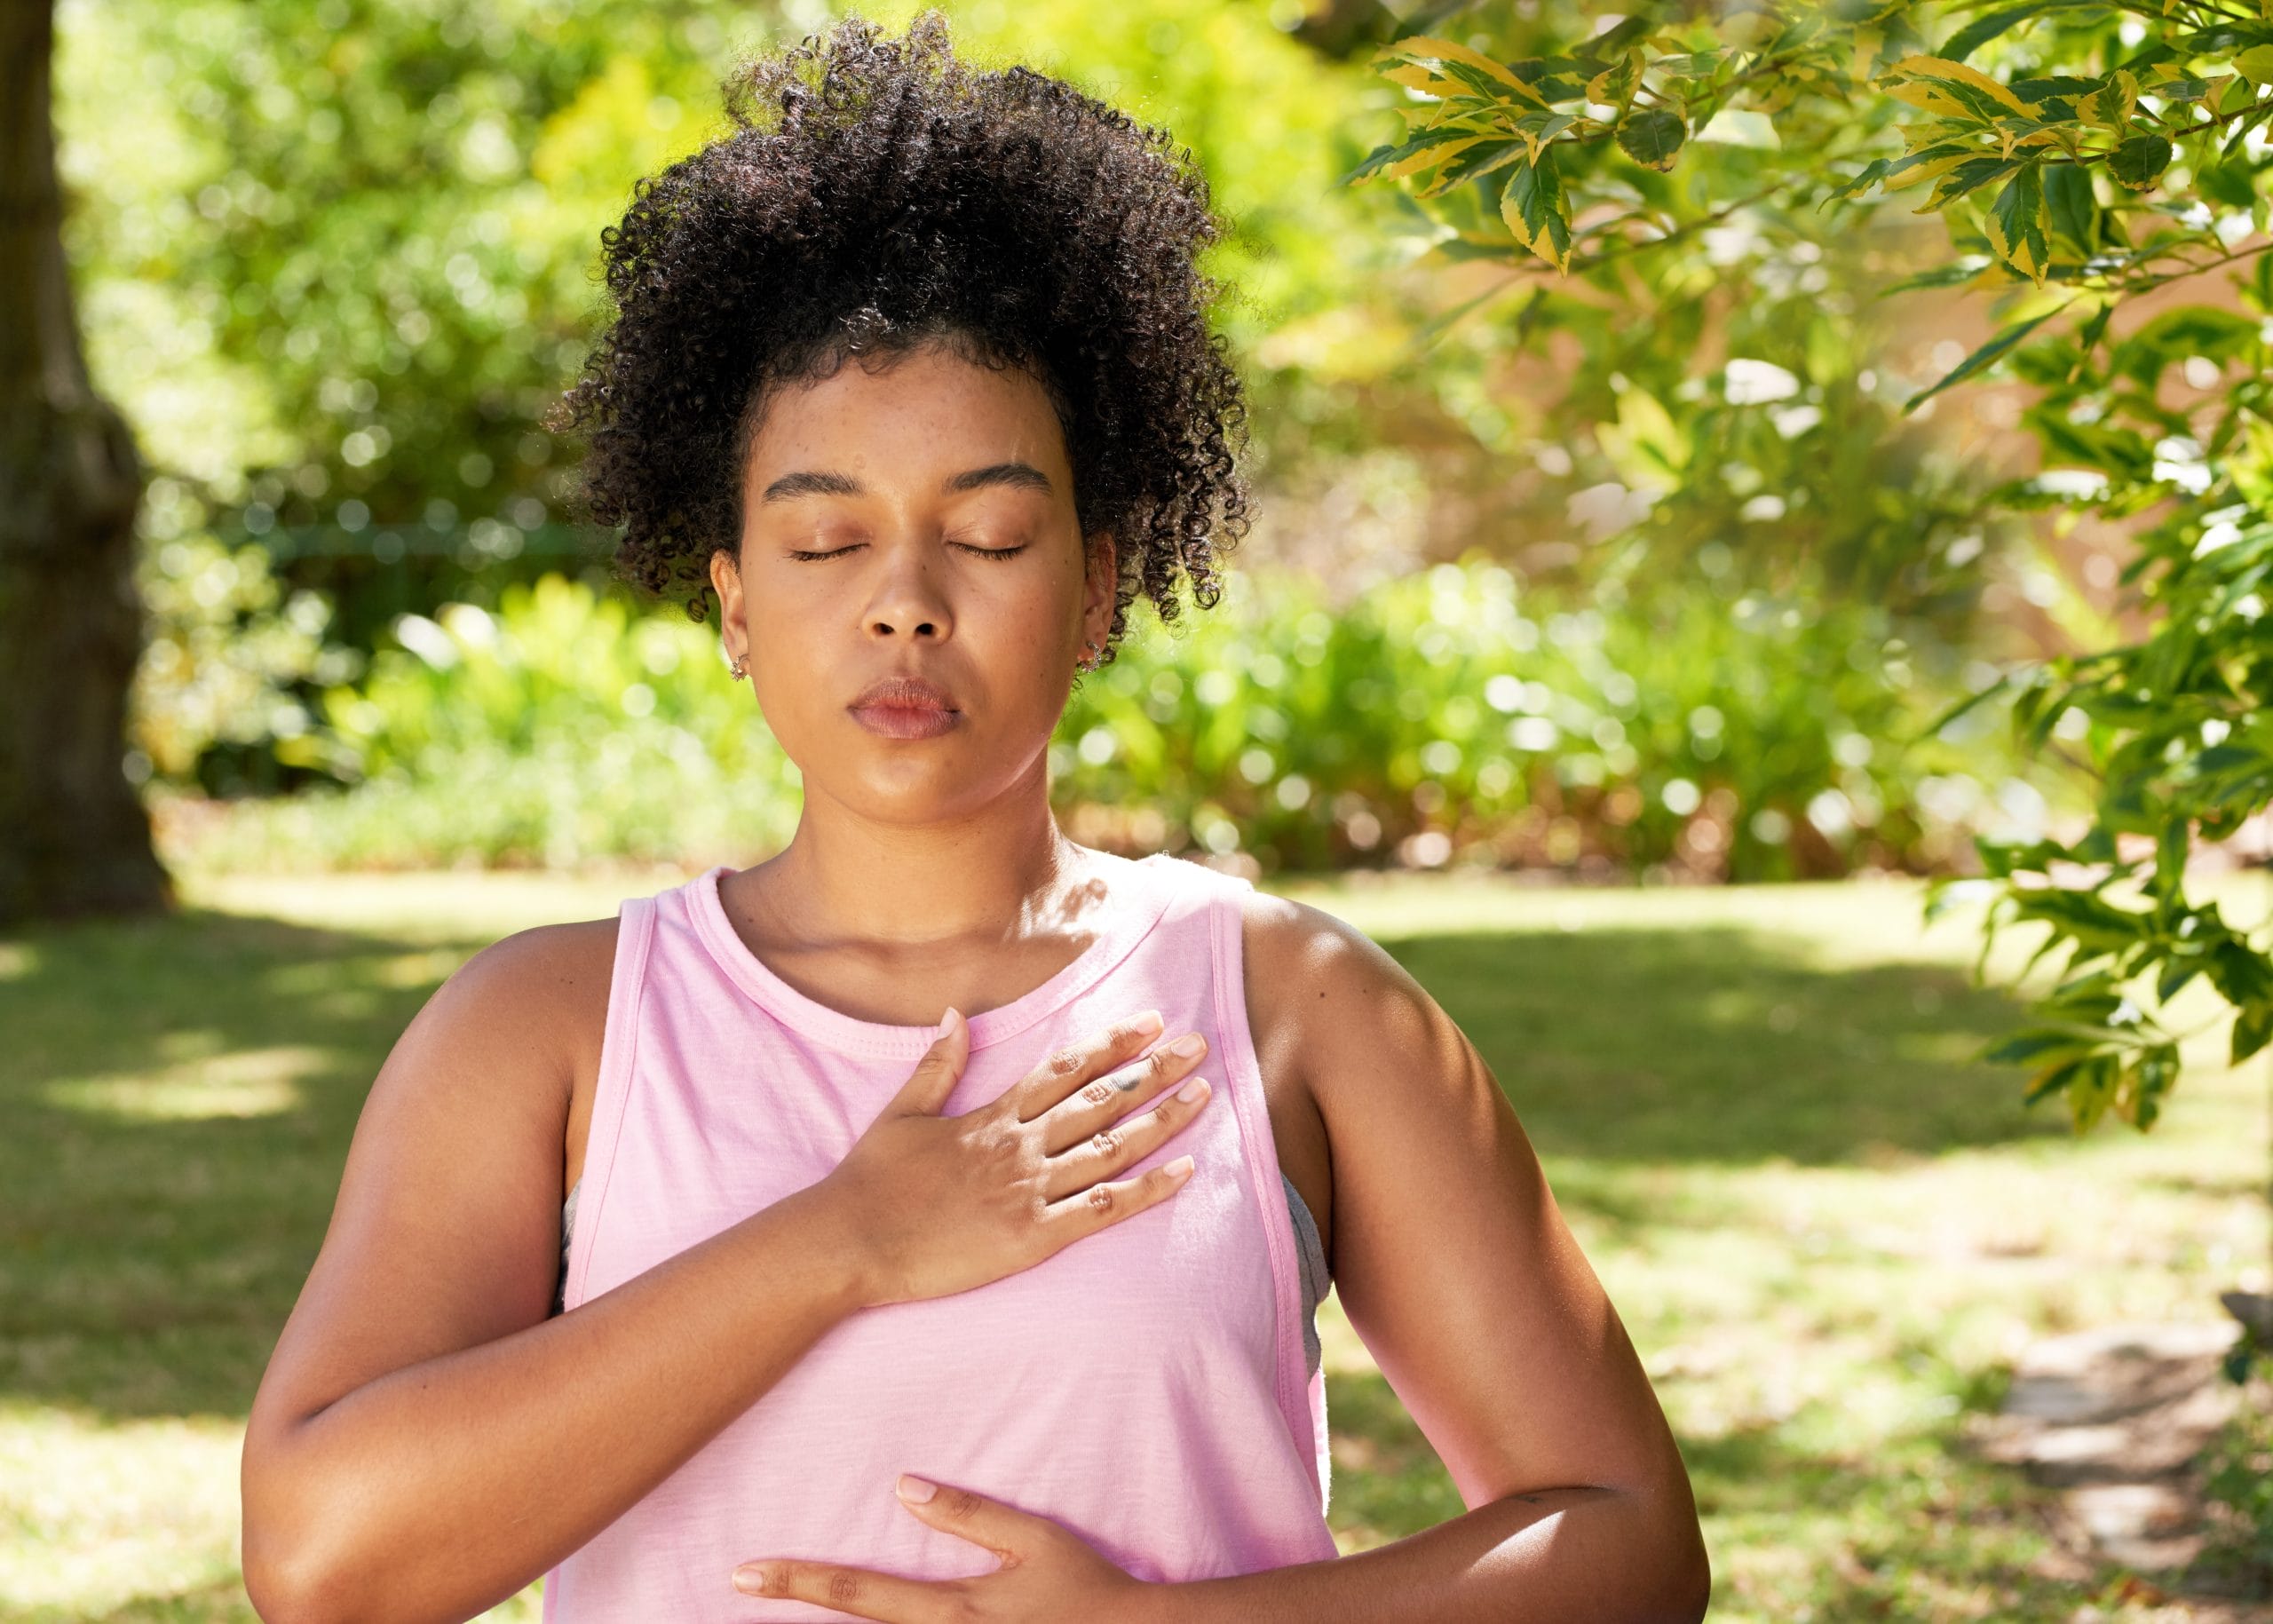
[[906, 707], [904, 693]]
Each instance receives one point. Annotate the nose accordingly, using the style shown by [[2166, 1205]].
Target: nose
[[907, 599]]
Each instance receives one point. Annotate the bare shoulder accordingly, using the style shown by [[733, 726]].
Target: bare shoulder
[[446, 1230], [547, 971], [525, 1015], [1338, 998]]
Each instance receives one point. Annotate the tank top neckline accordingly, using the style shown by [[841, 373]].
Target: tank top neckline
[[1139, 895]]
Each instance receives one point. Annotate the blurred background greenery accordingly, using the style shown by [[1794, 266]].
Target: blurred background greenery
[[336, 272], [1652, 575]]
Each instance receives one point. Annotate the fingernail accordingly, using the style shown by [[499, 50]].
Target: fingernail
[[1197, 1088], [1179, 1167], [751, 1580], [915, 1489], [948, 1021], [1148, 1022], [1190, 1044]]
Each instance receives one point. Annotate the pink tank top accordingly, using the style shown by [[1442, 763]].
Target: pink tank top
[[1145, 1387]]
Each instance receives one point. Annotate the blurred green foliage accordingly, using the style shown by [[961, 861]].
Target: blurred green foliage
[[345, 253], [371, 241], [2097, 152], [1444, 717]]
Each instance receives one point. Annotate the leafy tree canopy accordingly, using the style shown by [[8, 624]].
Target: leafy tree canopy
[[2098, 170]]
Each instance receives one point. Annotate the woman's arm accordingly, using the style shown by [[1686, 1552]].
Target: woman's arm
[[1457, 1272], [426, 1441]]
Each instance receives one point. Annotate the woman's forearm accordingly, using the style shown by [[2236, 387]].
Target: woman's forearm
[[1606, 1556], [437, 1491]]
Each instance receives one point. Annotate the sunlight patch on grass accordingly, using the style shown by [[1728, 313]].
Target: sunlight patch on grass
[[247, 1082], [134, 1520], [95, 1515], [16, 961]]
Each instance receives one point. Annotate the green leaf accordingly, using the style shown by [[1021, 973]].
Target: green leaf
[[1652, 137], [1481, 159], [2051, 1081], [1872, 173], [2074, 211], [1950, 90], [1981, 30], [1970, 176], [2091, 1090], [2230, 183], [1536, 210], [2175, 975], [2039, 1044], [2253, 1030], [2139, 161], [2019, 223], [1392, 159]]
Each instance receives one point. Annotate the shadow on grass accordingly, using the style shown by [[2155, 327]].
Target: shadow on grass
[[1389, 1482], [1714, 1044], [1945, 1521], [177, 1095]]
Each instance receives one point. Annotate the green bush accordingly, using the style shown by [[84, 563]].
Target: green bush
[[1449, 716], [1442, 718]]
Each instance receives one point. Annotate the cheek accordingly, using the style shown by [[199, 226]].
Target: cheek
[[1027, 630]]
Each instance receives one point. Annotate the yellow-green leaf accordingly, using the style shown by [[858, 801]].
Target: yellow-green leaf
[[1940, 85], [1452, 51], [2112, 105], [1537, 211], [1414, 163], [2139, 161], [1413, 76], [2020, 226], [1651, 138]]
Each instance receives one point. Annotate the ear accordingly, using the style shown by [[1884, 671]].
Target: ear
[[1103, 580], [733, 621]]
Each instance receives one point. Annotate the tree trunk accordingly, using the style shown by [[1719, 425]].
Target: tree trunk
[[73, 837]]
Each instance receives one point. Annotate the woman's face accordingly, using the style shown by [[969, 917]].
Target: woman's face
[[939, 499]]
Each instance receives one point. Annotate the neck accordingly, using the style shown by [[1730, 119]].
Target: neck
[[996, 876]]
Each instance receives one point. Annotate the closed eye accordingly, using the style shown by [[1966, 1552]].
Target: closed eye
[[984, 553]]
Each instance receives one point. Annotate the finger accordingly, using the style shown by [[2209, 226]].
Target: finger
[[862, 1592], [1093, 1208], [1008, 1531], [1124, 1143], [1072, 1066], [937, 1072], [1120, 1091]]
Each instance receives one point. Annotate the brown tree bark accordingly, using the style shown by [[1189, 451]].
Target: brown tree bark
[[74, 835]]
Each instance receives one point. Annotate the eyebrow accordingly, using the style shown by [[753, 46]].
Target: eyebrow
[[1023, 476]]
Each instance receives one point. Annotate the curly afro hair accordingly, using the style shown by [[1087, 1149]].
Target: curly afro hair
[[876, 194]]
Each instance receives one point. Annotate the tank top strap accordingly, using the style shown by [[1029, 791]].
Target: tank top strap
[[1301, 1391], [619, 1058]]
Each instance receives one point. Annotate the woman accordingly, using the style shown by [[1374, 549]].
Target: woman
[[865, 1313]]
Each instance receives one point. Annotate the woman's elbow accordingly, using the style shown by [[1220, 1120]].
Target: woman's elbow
[[294, 1573]]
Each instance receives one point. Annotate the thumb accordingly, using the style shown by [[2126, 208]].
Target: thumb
[[940, 1070]]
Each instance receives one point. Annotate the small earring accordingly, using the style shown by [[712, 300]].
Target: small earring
[[1090, 662], [736, 669]]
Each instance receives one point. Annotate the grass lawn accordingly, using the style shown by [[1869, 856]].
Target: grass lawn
[[1826, 1227]]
